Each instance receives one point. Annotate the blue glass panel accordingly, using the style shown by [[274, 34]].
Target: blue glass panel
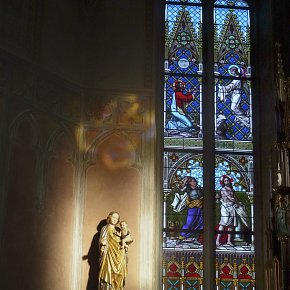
[[191, 16], [239, 168], [173, 284], [232, 40], [238, 18], [227, 285], [183, 39], [191, 284], [238, 3], [245, 285]]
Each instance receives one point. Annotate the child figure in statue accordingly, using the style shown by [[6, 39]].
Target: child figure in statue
[[125, 235], [113, 260]]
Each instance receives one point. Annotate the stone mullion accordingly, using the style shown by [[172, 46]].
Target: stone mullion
[[208, 146]]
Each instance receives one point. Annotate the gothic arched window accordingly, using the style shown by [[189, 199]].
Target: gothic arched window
[[208, 192]]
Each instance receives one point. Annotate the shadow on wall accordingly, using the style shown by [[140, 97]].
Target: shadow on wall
[[93, 258]]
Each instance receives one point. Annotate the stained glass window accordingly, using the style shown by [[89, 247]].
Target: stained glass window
[[183, 169]]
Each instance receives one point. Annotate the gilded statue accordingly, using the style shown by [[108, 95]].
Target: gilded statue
[[114, 243]]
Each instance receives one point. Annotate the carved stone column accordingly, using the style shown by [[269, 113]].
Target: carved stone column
[[281, 233], [281, 182]]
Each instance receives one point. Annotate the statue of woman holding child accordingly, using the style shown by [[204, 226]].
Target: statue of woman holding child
[[113, 245]]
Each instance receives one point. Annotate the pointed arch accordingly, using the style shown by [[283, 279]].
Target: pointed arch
[[29, 118], [133, 157]]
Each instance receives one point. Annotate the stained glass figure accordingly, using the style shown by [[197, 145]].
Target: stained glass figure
[[182, 107], [233, 109], [184, 201], [234, 194]]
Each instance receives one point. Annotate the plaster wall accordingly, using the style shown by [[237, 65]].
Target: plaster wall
[[70, 157], [77, 140]]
